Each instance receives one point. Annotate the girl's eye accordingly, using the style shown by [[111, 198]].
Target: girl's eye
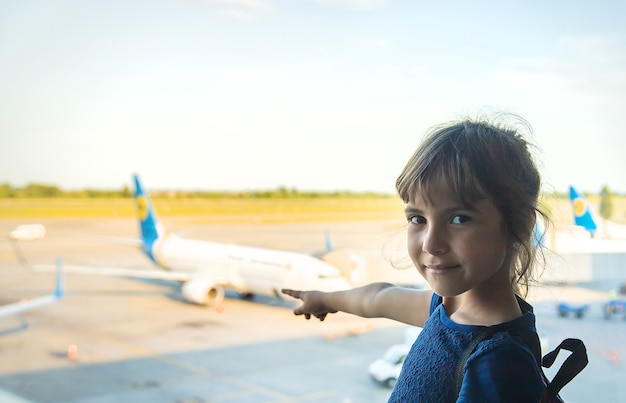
[[460, 219], [417, 219]]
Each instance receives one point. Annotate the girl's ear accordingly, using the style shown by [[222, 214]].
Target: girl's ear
[[513, 242]]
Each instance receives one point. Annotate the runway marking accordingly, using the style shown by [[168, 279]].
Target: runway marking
[[316, 396], [355, 331], [201, 373], [277, 395], [611, 356], [250, 388], [7, 397], [143, 351], [191, 400], [7, 255]]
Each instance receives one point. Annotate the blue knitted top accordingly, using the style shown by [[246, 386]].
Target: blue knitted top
[[502, 368]]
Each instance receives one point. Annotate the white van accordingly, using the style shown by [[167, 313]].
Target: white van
[[386, 370]]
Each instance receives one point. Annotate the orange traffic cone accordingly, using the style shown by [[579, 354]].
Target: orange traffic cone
[[72, 352]]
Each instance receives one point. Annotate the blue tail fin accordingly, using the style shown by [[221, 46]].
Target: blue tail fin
[[582, 211], [59, 290], [329, 241], [148, 221]]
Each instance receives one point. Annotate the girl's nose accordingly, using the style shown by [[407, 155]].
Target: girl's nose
[[434, 242]]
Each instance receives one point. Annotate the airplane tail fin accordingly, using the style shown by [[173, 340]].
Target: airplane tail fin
[[59, 290], [582, 211], [329, 241], [148, 220]]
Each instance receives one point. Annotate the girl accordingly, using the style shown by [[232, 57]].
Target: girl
[[471, 191]]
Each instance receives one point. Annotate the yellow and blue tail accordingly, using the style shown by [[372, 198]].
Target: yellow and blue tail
[[582, 211], [148, 221]]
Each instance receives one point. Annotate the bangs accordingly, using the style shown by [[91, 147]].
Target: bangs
[[431, 172]]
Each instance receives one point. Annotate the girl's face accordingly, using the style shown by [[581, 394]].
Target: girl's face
[[457, 248]]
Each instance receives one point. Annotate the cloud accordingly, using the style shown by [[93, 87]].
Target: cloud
[[240, 4], [237, 9], [586, 70], [608, 47], [374, 43], [252, 9], [354, 4]]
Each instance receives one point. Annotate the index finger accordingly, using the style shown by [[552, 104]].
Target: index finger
[[292, 293]]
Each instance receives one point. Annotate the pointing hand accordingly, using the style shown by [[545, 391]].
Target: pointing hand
[[312, 303]]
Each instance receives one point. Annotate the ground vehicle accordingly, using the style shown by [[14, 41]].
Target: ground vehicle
[[565, 308], [386, 370], [614, 306]]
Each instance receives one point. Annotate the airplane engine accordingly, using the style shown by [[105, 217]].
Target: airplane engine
[[203, 292]]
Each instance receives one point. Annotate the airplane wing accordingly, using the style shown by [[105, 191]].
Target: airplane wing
[[136, 242], [119, 272], [22, 306], [12, 309], [202, 290]]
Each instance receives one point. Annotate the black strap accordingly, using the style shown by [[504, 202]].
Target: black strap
[[571, 367], [460, 367]]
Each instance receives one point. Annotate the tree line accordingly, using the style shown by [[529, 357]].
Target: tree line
[[43, 191]]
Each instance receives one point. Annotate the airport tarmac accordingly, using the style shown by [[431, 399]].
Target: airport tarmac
[[137, 341]]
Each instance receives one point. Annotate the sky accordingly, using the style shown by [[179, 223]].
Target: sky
[[316, 95]]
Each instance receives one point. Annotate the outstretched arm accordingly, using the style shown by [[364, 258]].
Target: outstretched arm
[[376, 300]]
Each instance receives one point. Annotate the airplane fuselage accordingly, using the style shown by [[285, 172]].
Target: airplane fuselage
[[248, 270]]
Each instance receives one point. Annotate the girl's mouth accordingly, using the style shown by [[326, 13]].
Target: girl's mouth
[[441, 269]]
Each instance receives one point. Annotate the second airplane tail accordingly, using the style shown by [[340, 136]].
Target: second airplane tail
[[582, 211], [149, 224]]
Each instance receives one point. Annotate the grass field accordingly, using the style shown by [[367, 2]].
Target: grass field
[[257, 210], [229, 210]]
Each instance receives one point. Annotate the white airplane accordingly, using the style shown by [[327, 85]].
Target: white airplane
[[35, 303], [581, 253], [597, 228], [208, 268], [586, 234]]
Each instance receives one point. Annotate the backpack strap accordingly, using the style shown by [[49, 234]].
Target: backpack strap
[[460, 366], [571, 367]]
